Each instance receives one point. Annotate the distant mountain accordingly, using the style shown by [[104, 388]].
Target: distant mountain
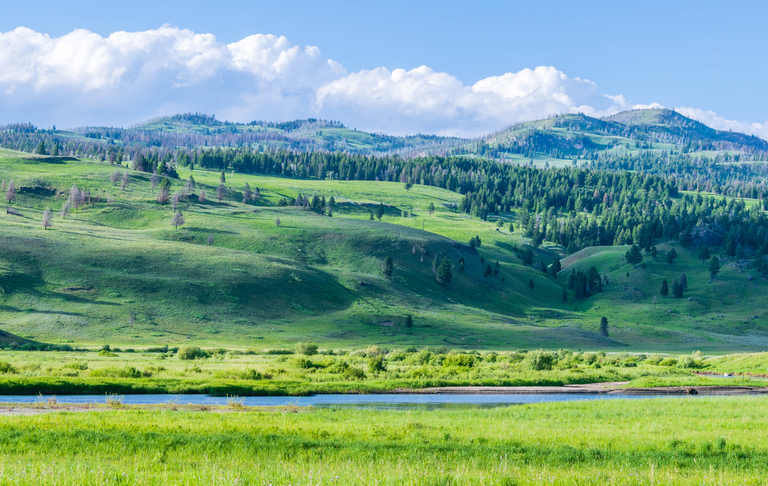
[[578, 135]]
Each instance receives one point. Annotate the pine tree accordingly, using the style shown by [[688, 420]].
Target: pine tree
[[565, 295], [714, 267], [671, 255], [555, 267], [664, 287], [223, 177], [634, 256], [443, 274], [677, 289], [431, 208], [408, 321], [387, 267], [684, 281], [604, 326], [704, 253], [530, 285], [380, 211], [461, 265]]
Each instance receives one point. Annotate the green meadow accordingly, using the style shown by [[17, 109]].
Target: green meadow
[[648, 441], [115, 271]]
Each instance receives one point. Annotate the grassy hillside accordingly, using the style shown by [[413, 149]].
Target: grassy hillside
[[119, 272]]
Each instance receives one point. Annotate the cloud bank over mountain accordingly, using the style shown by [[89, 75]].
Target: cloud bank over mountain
[[84, 78]]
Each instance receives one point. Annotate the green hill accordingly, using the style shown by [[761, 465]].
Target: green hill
[[116, 270]]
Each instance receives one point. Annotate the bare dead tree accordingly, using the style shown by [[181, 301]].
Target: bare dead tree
[[175, 200], [65, 210], [10, 192], [178, 219], [209, 240], [247, 194], [155, 179], [220, 192], [163, 196], [124, 185], [201, 197], [47, 217]]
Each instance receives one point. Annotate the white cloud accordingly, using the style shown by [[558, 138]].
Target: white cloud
[[711, 119], [652, 106], [84, 78]]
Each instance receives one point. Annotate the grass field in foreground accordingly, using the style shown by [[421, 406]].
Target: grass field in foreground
[[649, 441]]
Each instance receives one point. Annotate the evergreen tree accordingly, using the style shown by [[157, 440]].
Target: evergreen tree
[[555, 267], [664, 287], [380, 211], [431, 208], [565, 295], [714, 267], [461, 265], [634, 256], [223, 177], [388, 267], [671, 255], [530, 285], [604, 326], [488, 271], [684, 281], [40, 150], [408, 321], [443, 274], [704, 253], [677, 290]]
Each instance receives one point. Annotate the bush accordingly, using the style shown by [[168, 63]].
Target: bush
[[77, 365], [305, 363], [668, 362], [307, 349], [689, 362], [424, 357], [127, 372], [376, 364], [460, 360], [540, 360], [187, 353], [279, 351], [353, 373], [107, 354], [6, 367]]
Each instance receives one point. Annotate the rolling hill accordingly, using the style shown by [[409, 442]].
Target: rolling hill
[[116, 271]]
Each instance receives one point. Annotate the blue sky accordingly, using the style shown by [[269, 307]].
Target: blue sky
[[700, 55]]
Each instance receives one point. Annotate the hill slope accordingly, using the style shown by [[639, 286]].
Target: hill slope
[[116, 271]]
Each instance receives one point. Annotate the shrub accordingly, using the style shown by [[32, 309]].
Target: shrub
[[424, 357], [6, 367], [77, 365], [307, 349], [187, 353], [689, 362], [353, 373], [107, 354], [374, 351], [540, 360], [305, 363], [279, 351], [668, 362], [460, 360], [376, 364], [127, 372]]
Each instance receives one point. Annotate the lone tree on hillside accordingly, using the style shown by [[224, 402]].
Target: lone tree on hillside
[[443, 274], [684, 281], [114, 177], [10, 193], [565, 295], [704, 253], [277, 222], [634, 256], [664, 287], [247, 194], [431, 208], [714, 267], [201, 197], [408, 321], [178, 219], [531, 285], [387, 267], [220, 191], [47, 216], [380, 211], [175, 200], [223, 177], [461, 264], [124, 183], [604, 326], [209, 240], [408, 185]]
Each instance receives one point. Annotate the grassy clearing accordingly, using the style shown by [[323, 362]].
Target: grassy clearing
[[655, 441]]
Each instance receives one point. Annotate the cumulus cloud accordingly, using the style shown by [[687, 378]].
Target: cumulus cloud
[[84, 78], [711, 119]]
